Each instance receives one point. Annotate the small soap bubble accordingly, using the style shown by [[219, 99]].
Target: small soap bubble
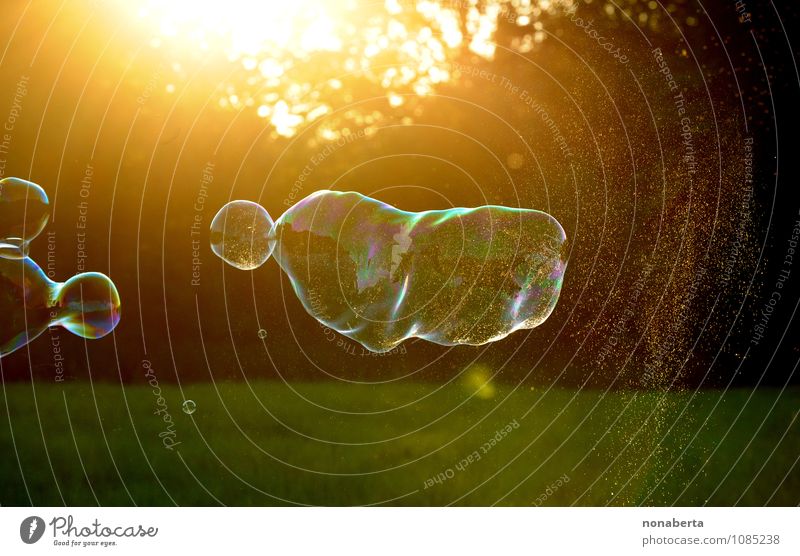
[[189, 407], [242, 234], [24, 212]]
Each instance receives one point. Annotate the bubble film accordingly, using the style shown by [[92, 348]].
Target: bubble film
[[24, 212], [240, 234], [87, 304], [380, 275]]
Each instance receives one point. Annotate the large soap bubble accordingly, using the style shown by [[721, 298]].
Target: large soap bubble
[[380, 275]]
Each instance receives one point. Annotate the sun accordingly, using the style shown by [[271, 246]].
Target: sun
[[247, 29], [294, 57]]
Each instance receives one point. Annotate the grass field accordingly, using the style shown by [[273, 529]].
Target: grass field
[[269, 443]]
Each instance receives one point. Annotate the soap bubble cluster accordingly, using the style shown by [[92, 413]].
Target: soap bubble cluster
[[380, 275], [87, 304]]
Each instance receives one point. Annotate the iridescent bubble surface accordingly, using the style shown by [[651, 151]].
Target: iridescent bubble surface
[[87, 304], [241, 234], [380, 275], [24, 212]]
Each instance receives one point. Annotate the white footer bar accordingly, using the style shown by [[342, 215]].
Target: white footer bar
[[400, 531]]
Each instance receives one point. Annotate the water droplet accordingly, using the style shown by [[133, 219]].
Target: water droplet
[[262, 333]]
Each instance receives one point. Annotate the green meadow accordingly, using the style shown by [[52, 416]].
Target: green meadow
[[271, 443]]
